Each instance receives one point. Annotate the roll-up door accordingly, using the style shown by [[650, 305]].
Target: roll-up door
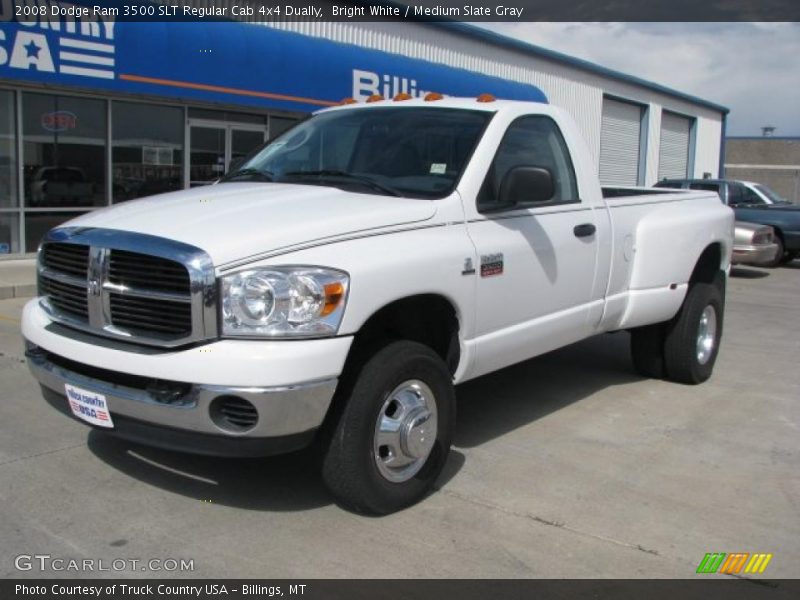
[[620, 135], [673, 151]]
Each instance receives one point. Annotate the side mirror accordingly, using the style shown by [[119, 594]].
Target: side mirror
[[524, 184]]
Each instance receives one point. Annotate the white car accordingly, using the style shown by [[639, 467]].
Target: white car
[[338, 285]]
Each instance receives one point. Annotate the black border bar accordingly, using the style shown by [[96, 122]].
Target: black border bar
[[516, 11], [701, 588]]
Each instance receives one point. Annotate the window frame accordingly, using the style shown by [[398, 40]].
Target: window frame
[[486, 210]]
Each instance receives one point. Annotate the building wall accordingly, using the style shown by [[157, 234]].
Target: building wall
[[771, 161]]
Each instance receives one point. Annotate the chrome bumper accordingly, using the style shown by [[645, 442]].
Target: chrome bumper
[[754, 255], [286, 412]]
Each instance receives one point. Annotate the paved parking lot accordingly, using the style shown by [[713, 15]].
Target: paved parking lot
[[568, 465]]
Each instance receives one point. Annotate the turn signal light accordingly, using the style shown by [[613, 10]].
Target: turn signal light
[[348, 101], [333, 296], [402, 96], [431, 96], [486, 98], [375, 98]]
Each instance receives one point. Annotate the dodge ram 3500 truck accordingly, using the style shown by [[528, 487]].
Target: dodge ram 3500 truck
[[335, 287]]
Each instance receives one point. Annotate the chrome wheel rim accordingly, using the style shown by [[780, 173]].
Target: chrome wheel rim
[[706, 334], [405, 431]]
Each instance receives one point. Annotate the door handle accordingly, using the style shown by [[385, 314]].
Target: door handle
[[584, 230]]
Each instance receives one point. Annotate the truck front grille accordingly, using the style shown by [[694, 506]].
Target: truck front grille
[[135, 270], [65, 297], [118, 292], [63, 279], [70, 259], [155, 294], [151, 314]]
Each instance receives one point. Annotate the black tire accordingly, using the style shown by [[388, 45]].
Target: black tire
[[681, 361], [788, 256], [647, 350], [349, 464], [778, 255]]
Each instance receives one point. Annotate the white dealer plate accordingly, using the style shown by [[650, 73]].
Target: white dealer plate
[[89, 406]]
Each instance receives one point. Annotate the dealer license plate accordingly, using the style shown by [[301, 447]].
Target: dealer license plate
[[89, 406]]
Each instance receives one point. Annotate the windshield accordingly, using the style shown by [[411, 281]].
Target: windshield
[[774, 197], [418, 152]]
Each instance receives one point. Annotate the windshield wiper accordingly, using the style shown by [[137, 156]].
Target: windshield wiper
[[249, 173], [368, 181]]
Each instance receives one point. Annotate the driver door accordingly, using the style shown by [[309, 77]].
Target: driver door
[[537, 261]]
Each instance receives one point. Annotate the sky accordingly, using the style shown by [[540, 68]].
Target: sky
[[752, 68]]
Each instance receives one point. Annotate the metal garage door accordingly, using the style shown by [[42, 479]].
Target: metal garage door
[[620, 136], [673, 152]]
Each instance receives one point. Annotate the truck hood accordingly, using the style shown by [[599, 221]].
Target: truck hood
[[234, 221]]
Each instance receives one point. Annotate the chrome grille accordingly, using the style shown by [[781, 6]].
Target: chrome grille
[[70, 259], [147, 272], [143, 314], [65, 297], [99, 281]]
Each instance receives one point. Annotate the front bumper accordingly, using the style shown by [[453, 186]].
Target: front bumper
[[758, 255], [170, 398]]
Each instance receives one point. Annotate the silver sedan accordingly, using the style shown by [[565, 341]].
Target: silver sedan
[[753, 244]]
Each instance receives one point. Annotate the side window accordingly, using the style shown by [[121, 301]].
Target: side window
[[750, 197], [735, 194], [533, 141]]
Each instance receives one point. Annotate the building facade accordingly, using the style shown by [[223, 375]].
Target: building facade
[[97, 112], [773, 161]]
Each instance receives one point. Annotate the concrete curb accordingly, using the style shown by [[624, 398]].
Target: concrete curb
[[17, 278], [26, 290]]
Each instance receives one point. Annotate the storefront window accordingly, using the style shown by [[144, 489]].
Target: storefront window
[[39, 223], [147, 150], [9, 233], [64, 151], [8, 179], [277, 125]]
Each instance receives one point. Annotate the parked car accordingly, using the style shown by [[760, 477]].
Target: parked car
[[749, 203], [753, 244], [340, 282], [60, 186], [765, 193]]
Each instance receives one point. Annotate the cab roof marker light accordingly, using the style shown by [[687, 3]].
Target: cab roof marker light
[[432, 97], [375, 98], [344, 101], [485, 98], [402, 96]]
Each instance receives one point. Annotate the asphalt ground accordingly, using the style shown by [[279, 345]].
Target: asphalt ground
[[568, 465]]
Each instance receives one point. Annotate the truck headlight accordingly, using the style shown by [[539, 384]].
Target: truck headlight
[[283, 302]]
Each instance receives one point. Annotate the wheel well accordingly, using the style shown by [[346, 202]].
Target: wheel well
[[708, 265], [429, 319]]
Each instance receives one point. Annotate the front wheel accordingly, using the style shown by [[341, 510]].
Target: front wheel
[[393, 436], [692, 339]]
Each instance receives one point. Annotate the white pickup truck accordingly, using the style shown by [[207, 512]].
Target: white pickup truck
[[335, 287]]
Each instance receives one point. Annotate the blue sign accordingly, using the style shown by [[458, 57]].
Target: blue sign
[[227, 62]]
